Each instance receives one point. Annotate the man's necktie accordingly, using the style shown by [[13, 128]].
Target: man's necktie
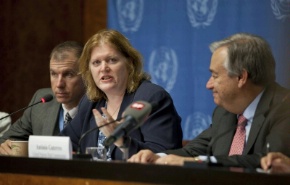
[[67, 119], [238, 143]]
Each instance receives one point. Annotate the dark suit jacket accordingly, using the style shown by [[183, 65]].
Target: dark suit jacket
[[161, 131], [271, 124], [40, 119]]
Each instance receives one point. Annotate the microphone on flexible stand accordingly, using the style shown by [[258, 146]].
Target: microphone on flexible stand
[[44, 99], [134, 115]]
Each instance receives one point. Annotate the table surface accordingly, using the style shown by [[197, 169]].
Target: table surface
[[123, 172]]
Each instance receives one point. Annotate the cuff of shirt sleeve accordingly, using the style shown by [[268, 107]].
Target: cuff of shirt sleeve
[[161, 154], [205, 158]]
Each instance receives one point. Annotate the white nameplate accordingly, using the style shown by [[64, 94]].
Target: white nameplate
[[52, 147]]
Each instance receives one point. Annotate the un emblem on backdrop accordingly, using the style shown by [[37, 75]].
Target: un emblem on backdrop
[[281, 8], [195, 124], [163, 67], [201, 12], [130, 14]]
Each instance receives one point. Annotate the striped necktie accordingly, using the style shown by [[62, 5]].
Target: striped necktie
[[66, 120]]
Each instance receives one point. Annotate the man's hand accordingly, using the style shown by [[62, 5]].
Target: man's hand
[[5, 148], [276, 162], [144, 156]]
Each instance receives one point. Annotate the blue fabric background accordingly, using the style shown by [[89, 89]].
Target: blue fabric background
[[173, 37]]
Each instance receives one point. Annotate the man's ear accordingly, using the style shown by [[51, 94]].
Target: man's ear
[[242, 79]]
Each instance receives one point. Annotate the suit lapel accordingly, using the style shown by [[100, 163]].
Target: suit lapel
[[225, 134], [254, 132], [260, 115], [50, 118]]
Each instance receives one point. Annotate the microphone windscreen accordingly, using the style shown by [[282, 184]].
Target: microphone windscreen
[[46, 98], [139, 110]]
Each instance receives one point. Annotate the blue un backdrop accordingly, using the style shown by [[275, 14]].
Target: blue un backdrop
[[173, 37]]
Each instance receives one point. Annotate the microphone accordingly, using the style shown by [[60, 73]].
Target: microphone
[[44, 99], [127, 116], [134, 115]]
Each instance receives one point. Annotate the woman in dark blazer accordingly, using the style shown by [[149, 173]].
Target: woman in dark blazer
[[112, 71]]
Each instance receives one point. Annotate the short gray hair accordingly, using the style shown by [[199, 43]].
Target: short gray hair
[[251, 53], [59, 51]]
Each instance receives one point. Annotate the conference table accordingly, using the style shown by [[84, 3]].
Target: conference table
[[32, 171]]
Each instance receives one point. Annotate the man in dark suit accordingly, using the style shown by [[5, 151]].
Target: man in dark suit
[[243, 86], [66, 86]]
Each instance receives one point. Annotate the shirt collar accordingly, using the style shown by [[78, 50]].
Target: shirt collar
[[251, 109], [71, 112]]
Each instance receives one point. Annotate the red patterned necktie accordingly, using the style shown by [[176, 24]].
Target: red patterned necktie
[[238, 143]]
